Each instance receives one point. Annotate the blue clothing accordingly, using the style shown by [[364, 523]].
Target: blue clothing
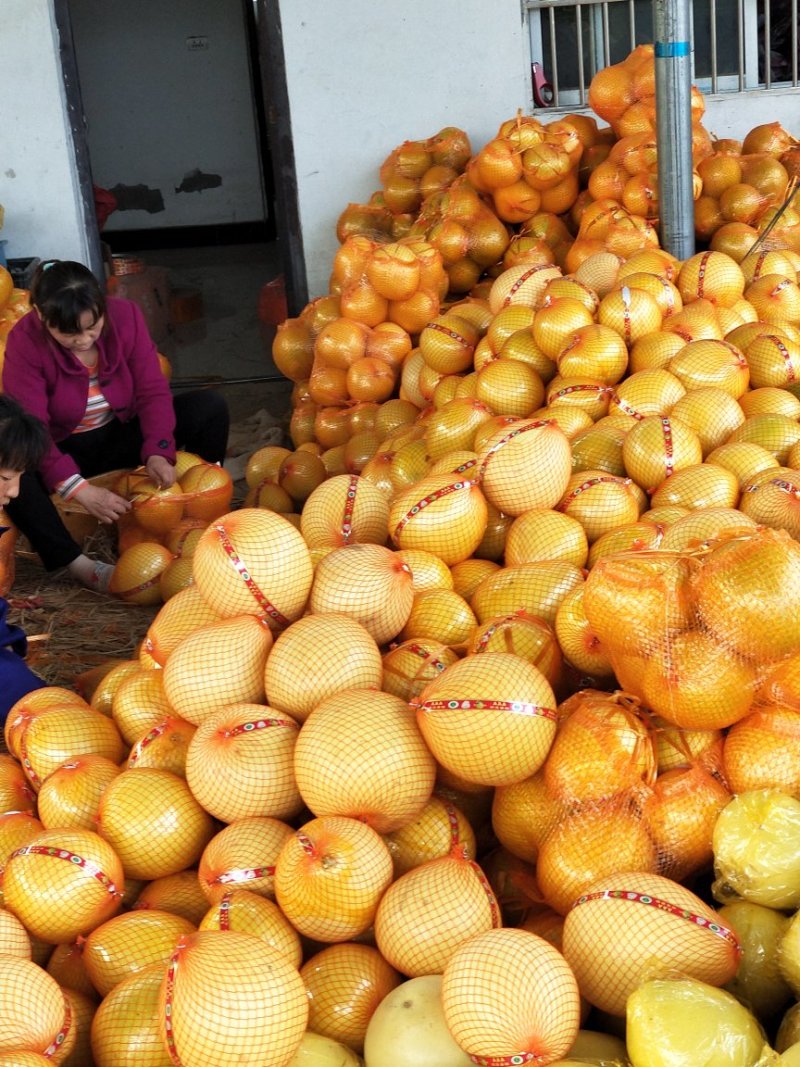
[[16, 677]]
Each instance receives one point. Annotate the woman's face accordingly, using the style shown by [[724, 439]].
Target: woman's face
[[9, 485], [83, 341]]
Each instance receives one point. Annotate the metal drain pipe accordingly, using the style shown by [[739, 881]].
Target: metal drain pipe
[[673, 61]]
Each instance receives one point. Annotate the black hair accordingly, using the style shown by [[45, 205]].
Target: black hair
[[23, 437], [61, 291]]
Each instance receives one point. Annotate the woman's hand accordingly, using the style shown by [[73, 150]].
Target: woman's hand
[[102, 503], [160, 471]]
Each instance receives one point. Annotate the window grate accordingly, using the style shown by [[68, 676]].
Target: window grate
[[738, 45]]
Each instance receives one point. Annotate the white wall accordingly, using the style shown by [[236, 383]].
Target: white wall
[[158, 110], [363, 77], [38, 183], [734, 116]]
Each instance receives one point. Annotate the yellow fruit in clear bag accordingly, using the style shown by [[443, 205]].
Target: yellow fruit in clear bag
[[757, 850], [760, 982]]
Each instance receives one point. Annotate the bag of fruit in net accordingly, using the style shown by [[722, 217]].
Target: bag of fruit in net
[[201, 491]]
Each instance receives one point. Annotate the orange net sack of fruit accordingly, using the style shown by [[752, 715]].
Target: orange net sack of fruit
[[8, 542]]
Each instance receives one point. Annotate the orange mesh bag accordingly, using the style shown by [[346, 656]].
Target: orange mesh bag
[[344, 510], [428, 912], [527, 636], [409, 666], [595, 840], [442, 514], [626, 926], [243, 855], [253, 561], [164, 746], [139, 703], [368, 583], [36, 1014], [70, 796], [221, 663], [228, 997], [153, 822], [330, 876], [524, 467], [681, 813], [83, 878], [129, 943], [180, 894], [127, 1025], [602, 747], [13, 936], [345, 657], [240, 763], [345, 984], [488, 719], [438, 829], [15, 793], [510, 996], [361, 754], [252, 914], [8, 544], [59, 733], [186, 612]]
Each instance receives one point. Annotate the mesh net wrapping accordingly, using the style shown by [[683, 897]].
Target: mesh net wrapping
[[129, 943]]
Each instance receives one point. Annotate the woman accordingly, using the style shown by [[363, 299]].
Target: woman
[[23, 440], [86, 366]]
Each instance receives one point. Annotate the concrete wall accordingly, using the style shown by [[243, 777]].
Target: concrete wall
[[364, 77], [38, 183], [169, 106]]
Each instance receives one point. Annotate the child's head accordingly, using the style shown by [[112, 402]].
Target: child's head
[[67, 296], [23, 442]]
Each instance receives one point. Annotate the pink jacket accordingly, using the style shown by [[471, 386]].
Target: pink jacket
[[50, 383]]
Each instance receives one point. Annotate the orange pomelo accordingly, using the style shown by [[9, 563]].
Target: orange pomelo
[[69, 797], [681, 814], [128, 943], [36, 1015], [138, 571], [243, 856], [252, 914]]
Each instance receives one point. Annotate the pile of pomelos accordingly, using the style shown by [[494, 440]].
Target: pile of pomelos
[[436, 747]]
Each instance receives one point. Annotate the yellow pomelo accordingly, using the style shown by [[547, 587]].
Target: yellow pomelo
[[489, 719], [344, 510], [438, 829], [427, 570], [765, 937], [254, 561], [243, 855], [711, 364], [701, 485], [69, 797], [235, 675], [656, 447], [771, 498], [545, 535], [442, 514], [35, 1013], [582, 648], [410, 665], [128, 943], [252, 914], [711, 276], [408, 1029], [393, 774], [535, 588], [601, 502], [138, 572], [526, 466], [60, 733]]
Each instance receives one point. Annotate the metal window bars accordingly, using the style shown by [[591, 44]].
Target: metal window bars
[[738, 45]]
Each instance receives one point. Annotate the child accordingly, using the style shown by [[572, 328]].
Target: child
[[23, 440]]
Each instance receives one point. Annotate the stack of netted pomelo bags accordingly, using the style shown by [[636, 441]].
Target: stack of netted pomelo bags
[[411, 173]]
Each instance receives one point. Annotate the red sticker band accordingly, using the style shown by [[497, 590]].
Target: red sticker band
[[242, 874], [523, 278], [625, 407], [257, 724], [148, 739], [717, 929], [244, 574], [495, 911], [517, 707], [431, 498], [225, 912], [349, 507], [141, 588], [452, 818], [568, 390], [449, 333], [787, 355], [510, 437], [701, 273], [27, 766], [306, 843], [669, 452], [71, 857], [61, 1036], [562, 505], [625, 293], [502, 1061], [423, 653], [169, 999]]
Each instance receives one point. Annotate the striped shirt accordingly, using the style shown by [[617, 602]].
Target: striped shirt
[[98, 413]]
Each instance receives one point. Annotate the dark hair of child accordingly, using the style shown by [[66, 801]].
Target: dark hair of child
[[61, 291], [23, 437]]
